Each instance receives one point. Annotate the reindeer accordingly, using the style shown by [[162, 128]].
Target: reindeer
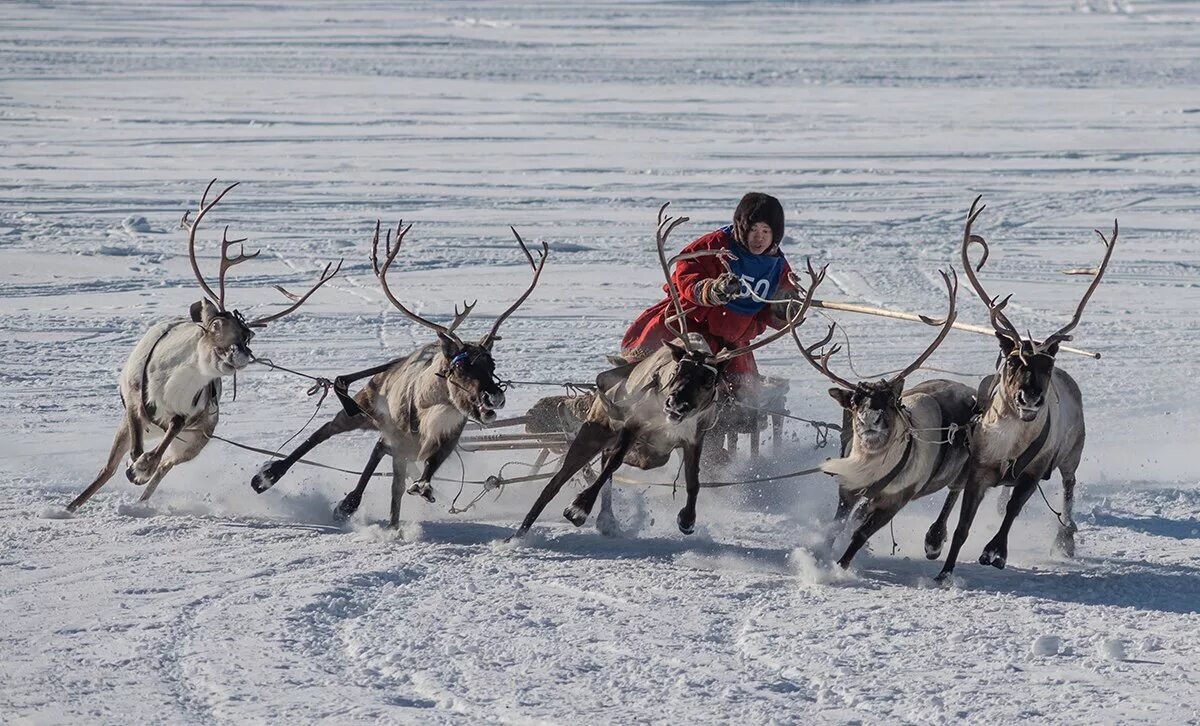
[[905, 444], [645, 410], [420, 403], [171, 383], [1031, 421]]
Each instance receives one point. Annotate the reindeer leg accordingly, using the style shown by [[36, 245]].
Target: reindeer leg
[[875, 519], [686, 519], [996, 551], [1064, 543], [399, 473], [142, 470], [186, 446], [349, 505], [936, 536], [972, 495], [274, 471], [120, 445], [606, 521], [433, 461], [579, 510], [590, 440]]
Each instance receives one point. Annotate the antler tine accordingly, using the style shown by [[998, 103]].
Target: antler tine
[[392, 251], [1063, 333], [537, 273], [947, 323], [822, 366], [524, 249], [227, 262], [459, 317], [205, 205], [326, 276], [999, 320], [666, 225], [792, 323]]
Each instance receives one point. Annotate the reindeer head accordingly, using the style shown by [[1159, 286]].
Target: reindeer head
[[874, 406], [470, 375], [691, 386], [225, 340], [1026, 365], [468, 369], [227, 335]]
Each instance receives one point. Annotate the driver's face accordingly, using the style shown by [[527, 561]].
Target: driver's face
[[759, 238]]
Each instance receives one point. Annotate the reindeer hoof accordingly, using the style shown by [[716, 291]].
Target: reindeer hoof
[[575, 515], [347, 507], [994, 558], [424, 490], [686, 522], [934, 539], [1064, 543], [139, 472], [265, 478], [943, 577], [606, 524]]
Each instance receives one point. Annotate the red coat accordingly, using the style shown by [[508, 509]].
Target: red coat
[[721, 327]]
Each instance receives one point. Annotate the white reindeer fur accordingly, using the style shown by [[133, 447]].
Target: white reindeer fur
[[859, 470], [183, 364], [1002, 437]]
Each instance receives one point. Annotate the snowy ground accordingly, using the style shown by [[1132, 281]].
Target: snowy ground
[[875, 122]]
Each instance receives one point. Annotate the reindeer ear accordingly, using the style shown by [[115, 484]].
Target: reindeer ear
[[203, 312], [449, 347], [842, 396], [1051, 350], [897, 387], [1007, 344], [487, 341], [677, 351]]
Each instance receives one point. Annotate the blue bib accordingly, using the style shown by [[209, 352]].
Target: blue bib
[[760, 272]]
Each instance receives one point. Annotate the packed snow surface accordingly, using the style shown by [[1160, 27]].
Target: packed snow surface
[[876, 123]]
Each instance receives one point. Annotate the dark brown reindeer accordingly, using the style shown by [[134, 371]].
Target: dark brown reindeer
[[1031, 422], [643, 411], [171, 383], [419, 403], [905, 444]]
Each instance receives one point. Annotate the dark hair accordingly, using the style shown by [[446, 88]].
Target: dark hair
[[758, 207]]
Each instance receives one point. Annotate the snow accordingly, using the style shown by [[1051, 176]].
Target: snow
[[876, 123]]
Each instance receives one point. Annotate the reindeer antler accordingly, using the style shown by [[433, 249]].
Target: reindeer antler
[[192, 226], [666, 225], [1063, 333], [537, 273], [298, 300], [381, 272], [823, 366], [228, 262], [1000, 322], [946, 323]]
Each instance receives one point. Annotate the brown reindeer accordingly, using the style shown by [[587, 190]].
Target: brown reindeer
[[904, 444], [643, 411], [1031, 422], [420, 403], [171, 383]]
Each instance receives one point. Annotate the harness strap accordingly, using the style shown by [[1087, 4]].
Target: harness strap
[[888, 478], [148, 409], [1032, 451]]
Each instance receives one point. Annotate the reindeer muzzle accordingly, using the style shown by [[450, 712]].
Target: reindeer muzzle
[[674, 411], [1027, 408]]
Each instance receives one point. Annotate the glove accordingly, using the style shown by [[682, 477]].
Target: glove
[[718, 290]]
